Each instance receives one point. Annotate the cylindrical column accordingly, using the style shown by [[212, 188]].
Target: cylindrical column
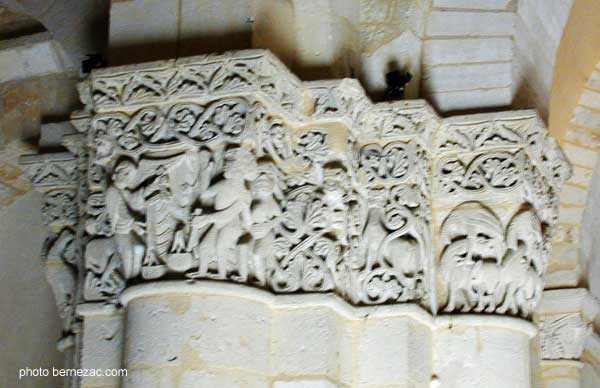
[[178, 339], [483, 351]]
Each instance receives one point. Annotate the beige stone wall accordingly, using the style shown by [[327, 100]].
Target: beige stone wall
[[572, 255]]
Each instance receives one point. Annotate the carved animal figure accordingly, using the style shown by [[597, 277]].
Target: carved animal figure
[[102, 263], [457, 268], [470, 233], [523, 285], [374, 232], [485, 287], [525, 228], [403, 255]]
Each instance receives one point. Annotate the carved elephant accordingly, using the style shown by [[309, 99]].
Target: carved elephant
[[456, 269], [523, 285], [485, 287]]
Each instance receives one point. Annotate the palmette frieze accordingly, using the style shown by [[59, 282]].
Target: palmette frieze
[[228, 167]]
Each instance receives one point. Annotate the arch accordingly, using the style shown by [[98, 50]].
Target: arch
[[574, 119]]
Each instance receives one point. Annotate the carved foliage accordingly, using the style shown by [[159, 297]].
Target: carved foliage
[[229, 73]]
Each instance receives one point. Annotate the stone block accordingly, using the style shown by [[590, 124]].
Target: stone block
[[571, 214], [590, 99], [454, 23], [305, 384], [546, 18], [219, 331], [148, 378], [470, 99], [594, 80], [383, 351], [101, 348], [466, 77], [573, 195], [463, 351], [588, 137], [215, 26], [454, 51], [580, 156], [471, 4], [561, 374], [221, 379], [41, 58], [271, 29], [566, 234], [586, 117], [581, 176], [142, 31], [564, 257], [305, 342], [562, 278], [10, 63]]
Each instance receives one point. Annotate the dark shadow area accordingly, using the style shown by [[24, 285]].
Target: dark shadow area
[[162, 50]]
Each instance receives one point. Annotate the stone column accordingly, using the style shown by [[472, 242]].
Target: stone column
[[480, 351]]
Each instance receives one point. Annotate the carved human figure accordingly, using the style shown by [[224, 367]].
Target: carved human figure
[[265, 214], [61, 275], [374, 233], [230, 199], [169, 201], [123, 202]]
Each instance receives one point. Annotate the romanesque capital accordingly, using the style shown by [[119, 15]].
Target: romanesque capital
[[228, 167]]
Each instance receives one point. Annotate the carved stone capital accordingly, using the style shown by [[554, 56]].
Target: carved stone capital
[[228, 167]]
